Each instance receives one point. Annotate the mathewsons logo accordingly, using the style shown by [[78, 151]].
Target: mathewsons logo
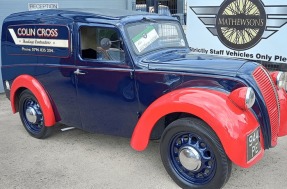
[[240, 24]]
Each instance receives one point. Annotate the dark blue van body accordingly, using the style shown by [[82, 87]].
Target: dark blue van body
[[91, 90]]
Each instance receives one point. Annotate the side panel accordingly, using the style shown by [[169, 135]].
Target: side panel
[[44, 52], [231, 124]]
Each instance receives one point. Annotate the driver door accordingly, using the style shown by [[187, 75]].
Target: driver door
[[105, 89]]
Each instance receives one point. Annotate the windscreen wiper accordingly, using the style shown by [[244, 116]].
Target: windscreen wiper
[[148, 19]]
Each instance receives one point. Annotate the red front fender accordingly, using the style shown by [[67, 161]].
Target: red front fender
[[28, 82], [230, 123], [283, 112]]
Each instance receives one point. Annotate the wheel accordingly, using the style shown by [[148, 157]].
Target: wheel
[[31, 116], [193, 155]]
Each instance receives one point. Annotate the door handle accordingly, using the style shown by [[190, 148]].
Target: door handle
[[79, 72]]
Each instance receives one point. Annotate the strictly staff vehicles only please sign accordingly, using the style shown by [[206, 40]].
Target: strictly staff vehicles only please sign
[[249, 29]]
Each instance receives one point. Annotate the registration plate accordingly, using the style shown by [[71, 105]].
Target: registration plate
[[253, 144]]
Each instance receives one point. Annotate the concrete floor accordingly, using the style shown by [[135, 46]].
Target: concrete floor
[[77, 159]]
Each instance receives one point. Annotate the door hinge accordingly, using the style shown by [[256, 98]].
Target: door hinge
[[139, 114], [131, 74]]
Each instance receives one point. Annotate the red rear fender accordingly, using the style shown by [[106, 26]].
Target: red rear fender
[[28, 82]]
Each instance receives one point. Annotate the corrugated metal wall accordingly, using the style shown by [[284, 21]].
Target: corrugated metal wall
[[10, 6]]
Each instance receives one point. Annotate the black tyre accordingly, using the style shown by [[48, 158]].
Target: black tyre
[[193, 155], [31, 116]]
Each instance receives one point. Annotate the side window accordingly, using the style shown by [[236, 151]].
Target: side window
[[101, 44]]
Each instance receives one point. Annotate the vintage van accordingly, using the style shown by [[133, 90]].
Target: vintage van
[[131, 74]]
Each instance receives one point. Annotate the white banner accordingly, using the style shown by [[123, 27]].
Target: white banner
[[39, 42]]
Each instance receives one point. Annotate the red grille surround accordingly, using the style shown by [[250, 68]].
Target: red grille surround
[[270, 96]]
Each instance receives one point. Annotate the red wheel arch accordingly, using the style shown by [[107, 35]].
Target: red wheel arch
[[29, 82], [230, 123]]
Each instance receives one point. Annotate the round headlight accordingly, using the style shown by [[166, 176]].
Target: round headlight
[[250, 97], [281, 80], [243, 97]]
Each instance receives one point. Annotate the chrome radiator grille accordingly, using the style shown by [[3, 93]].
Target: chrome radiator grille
[[270, 96]]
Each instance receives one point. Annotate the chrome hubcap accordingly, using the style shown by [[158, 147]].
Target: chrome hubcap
[[190, 158], [31, 115]]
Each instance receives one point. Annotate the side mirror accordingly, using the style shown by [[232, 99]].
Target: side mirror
[[106, 43]]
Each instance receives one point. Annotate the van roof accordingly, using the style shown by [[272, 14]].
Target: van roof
[[96, 12], [103, 15]]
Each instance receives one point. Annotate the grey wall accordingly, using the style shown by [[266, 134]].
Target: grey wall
[[11, 6]]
